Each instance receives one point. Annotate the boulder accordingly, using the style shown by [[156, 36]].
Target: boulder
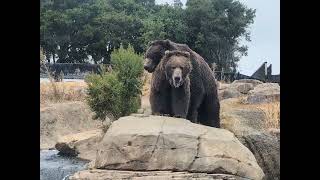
[[248, 124], [264, 93], [149, 143], [234, 90], [229, 93], [254, 82], [275, 132], [98, 174], [83, 145], [266, 149], [243, 88], [62, 119], [223, 86], [241, 119]]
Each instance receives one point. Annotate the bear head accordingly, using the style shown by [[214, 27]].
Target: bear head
[[177, 67], [154, 54]]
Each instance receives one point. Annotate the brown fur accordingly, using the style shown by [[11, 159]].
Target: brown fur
[[180, 96], [204, 106], [162, 93]]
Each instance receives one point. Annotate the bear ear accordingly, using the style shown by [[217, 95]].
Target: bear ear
[[187, 54], [167, 43], [151, 43]]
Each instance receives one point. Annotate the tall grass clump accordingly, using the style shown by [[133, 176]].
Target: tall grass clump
[[117, 91], [56, 94]]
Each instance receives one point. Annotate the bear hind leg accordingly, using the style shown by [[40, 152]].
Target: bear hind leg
[[209, 112]]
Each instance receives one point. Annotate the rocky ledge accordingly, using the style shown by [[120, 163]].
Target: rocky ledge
[[154, 143]]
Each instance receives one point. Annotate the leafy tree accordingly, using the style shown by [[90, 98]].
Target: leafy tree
[[74, 31], [215, 28], [167, 23], [177, 3]]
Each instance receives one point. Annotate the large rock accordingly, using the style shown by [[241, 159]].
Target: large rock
[[240, 119], [63, 119], [266, 149], [234, 90], [83, 145], [165, 143], [98, 174], [229, 93], [254, 82], [243, 88], [248, 124], [264, 93], [223, 86], [275, 132]]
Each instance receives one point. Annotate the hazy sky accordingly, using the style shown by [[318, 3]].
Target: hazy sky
[[265, 36]]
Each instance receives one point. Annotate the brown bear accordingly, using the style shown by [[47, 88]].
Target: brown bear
[[177, 66], [204, 106]]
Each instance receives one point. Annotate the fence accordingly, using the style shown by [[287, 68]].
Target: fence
[[68, 70], [263, 73], [79, 71]]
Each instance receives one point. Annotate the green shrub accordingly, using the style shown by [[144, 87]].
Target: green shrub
[[117, 91]]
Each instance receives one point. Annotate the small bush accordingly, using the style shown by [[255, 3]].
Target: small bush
[[117, 91]]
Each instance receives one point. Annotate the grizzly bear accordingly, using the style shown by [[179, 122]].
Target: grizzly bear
[[204, 106], [177, 66]]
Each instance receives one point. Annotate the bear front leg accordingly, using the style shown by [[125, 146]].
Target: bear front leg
[[180, 99], [160, 103], [193, 115], [196, 100]]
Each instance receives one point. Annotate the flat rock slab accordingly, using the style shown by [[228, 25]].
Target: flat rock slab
[[164, 143], [97, 174], [62, 119], [264, 93], [251, 81], [83, 145]]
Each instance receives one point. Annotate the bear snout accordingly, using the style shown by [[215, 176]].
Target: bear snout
[[177, 78], [147, 65]]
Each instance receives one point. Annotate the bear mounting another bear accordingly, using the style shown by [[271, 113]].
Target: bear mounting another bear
[[204, 105]]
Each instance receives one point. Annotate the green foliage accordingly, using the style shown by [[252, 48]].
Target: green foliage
[[71, 31], [117, 91], [167, 23], [215, 28]]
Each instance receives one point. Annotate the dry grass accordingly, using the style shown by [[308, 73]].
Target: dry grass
[[146, 84], [52, 92], [271, 110], [146, 90], [55, 92]]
